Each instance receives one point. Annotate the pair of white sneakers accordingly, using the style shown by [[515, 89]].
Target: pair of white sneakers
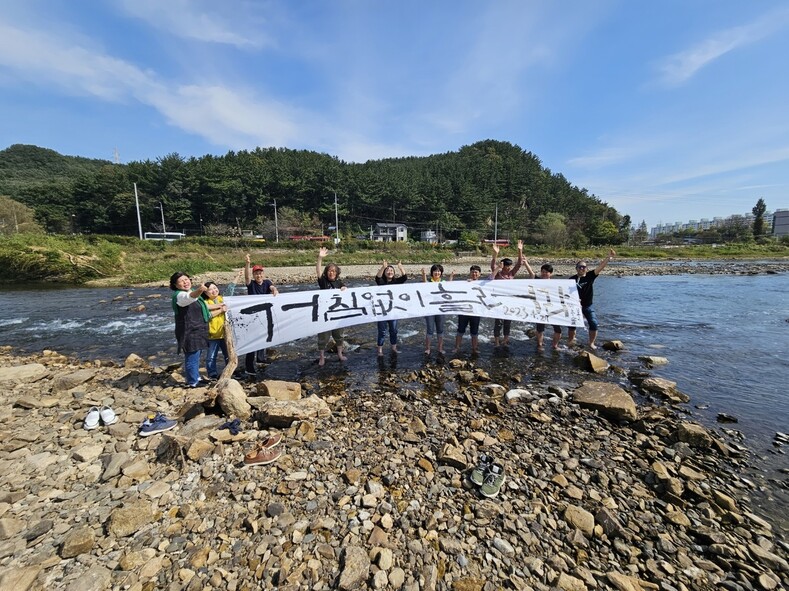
[[106, 415]]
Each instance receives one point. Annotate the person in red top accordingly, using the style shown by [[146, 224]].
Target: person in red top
[[506, 270]]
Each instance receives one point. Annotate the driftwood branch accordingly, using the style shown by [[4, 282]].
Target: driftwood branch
[[232, 364]]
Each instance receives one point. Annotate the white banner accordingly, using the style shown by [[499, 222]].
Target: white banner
[[265, 321]]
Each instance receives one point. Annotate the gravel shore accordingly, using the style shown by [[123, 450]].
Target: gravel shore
[[562, 268], [371, 490]]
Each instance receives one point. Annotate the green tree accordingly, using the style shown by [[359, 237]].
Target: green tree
[[604, 232], [551, 229], [16, 218], [625, 228], [758, 220], [641, 234]]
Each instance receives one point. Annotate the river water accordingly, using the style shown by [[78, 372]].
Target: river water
[[726, 338]]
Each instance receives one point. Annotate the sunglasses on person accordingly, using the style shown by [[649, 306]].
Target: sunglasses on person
[[580, 266]]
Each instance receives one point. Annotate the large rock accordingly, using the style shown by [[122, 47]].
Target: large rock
[[128, 519], [608, 399], [9, 527], [19, 579], [96, 578], [78, 541], [585, 360], [613, 345], [280, 389], [233, 400], [581, 518], [134, 361], [355, 568], [694, 435], [62, 382], [452, 455], [665, 388], [653, 360], [282, 413], [627, 583], [31, 372]]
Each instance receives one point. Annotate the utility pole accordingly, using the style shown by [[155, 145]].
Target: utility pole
[[137, 203], [496, 226], [336, 221], [162, 208], [276, 222]]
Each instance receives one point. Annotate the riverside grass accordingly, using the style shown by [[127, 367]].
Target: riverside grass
[[126, 260]]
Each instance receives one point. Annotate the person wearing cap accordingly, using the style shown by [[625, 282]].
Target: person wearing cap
[[256, 285], [506, 270], [585, 281]]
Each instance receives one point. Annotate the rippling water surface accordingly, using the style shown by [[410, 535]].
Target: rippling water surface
[[726, 338]]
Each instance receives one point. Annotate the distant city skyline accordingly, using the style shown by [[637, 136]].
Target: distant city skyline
[[669, 109], [706, 223]]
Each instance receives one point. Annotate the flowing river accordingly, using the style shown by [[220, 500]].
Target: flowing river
[[726, 338]]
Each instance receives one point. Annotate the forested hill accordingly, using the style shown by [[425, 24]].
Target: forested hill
[[459, 194], [22, 166]]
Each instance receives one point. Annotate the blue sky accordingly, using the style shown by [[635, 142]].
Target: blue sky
[[668, 110]]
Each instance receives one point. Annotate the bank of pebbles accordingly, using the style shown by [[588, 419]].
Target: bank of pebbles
[[563, 268], [370, 497]]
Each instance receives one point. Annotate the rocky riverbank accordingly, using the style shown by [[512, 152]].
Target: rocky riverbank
[[563, 268], [607, 486]]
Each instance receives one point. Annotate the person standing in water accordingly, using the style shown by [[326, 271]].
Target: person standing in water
[[546, 272], [329, 278], [472, 322], [257, 284], [506, 271], [435, 324], [585, 281], [386, 276]]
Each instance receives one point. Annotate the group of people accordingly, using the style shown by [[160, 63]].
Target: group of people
[[200, 311], [503, 270]]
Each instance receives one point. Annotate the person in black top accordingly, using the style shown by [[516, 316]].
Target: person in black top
[[546, 272], [471, 322], [329, 278], [257, 284], [585, 282], [386, 276]]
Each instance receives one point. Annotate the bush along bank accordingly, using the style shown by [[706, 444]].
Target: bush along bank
[[606, 486]]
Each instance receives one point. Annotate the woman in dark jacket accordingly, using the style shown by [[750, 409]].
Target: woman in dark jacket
[[191, 324]]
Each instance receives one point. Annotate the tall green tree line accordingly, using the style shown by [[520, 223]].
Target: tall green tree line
[[465, 191]]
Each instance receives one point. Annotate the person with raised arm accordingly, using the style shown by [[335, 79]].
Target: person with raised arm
[[192, 314], [329, 278], [585, 281], [386, 276], [506, 270]]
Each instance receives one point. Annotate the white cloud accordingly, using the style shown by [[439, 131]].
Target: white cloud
[[682, 66], [75, 70], [211, 22]]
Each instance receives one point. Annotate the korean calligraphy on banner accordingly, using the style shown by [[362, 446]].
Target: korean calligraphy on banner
[[258, 322]]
